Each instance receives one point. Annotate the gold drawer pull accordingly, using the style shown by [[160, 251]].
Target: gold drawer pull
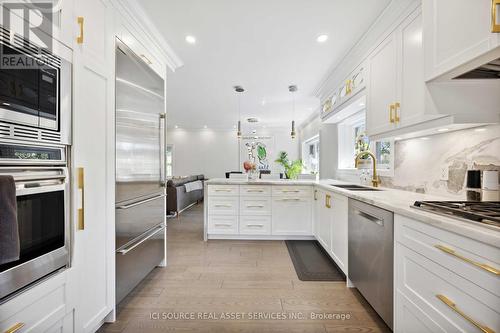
[[15, 328], [495, 27], [79, 39], [315, 195], [328, 203], [452, 252], [454, 307], [391, 113]]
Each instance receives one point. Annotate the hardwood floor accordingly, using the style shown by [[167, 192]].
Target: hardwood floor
[[251, 279]]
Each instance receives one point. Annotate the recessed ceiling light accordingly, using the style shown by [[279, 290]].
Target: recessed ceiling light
[[482, 129], [443, 129], [191, 39], [205, 126], [322, 38], [176, 126]]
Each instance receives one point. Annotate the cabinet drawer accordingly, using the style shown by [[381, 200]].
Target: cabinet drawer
[[291, 216], [437, 291], [223, 189], [223, 205], [36, 315], [459, 254], [295, 191], [255, 205], [255, 190], [223, 224], [255, 225]]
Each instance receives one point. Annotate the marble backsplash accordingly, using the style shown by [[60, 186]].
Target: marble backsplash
[[419, 163]]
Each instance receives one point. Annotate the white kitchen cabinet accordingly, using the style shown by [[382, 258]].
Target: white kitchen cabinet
[[255, 225], [223, 224], [382, 86], [93, 241], [325, 215], [42, 308], [456, 32], [223, 205], [291, 215], [339, 225], [397, 95], [438, 272]]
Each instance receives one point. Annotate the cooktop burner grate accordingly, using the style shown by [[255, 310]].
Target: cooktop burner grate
[[487, 212]]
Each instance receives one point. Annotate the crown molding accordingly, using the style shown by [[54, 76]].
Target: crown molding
[[133, 12]]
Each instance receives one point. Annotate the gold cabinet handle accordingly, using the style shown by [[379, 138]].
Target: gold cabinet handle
[[348, 88], [494, 11], [81, 201], [454, 307], [16, 327], [397, 106], [328, 203], [391, 113], [79, 39], [452, 252]]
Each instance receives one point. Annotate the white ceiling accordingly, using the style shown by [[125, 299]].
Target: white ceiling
[[262, 45]]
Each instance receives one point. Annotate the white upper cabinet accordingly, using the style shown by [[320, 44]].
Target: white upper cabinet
[[457, 32], [382, 86], [397, 94], [411, 85]]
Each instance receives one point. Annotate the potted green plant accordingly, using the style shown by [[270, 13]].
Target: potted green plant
[[292, 168]]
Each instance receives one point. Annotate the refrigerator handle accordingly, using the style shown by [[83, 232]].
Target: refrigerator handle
[[163, 149]]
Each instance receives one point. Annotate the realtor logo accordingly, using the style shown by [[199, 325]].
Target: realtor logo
[[31, 45]]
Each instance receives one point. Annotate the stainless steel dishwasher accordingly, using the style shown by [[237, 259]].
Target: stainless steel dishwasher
[[370, 250]]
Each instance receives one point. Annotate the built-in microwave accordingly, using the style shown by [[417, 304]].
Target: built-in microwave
[[35, 91], [41, 180]]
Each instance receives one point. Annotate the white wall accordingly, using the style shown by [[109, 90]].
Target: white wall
[[214, 152]]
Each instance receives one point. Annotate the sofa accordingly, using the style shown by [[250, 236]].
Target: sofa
[[177, 197]]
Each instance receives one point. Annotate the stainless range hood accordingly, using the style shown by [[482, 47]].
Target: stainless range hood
[[490, 70]]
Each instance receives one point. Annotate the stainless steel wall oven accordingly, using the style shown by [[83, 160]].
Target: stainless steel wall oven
[[42, 193]]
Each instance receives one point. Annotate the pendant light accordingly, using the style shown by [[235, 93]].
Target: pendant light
[[239, 90], [293, 89]]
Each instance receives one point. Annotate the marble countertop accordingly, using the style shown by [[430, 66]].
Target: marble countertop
[[396, 201]]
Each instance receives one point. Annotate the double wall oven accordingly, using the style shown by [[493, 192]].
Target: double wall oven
[[35, 138]]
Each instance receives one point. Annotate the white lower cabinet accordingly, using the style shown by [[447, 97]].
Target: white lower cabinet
[[441, 283], [324, 217], [291, 215], [223, 224], [255, 225], [339, 222], [259, 210], [330, 225], [43, 308]]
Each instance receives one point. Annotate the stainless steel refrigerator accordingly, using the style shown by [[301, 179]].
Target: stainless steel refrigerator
[[140, 170]]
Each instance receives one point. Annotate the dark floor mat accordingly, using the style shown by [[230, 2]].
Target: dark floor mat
[[312, 263]]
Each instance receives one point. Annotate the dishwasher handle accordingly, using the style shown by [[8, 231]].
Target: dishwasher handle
[[369, 217]]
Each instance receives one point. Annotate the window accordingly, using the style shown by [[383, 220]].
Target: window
[[353, 140], [170, 159], [310, 155]]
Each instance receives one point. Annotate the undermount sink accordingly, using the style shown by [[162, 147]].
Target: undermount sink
[[354, 187]]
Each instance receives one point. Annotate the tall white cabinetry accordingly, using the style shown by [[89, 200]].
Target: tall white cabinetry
[[93, 163]]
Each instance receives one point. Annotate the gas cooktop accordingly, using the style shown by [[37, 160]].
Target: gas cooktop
[[487, 212]]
